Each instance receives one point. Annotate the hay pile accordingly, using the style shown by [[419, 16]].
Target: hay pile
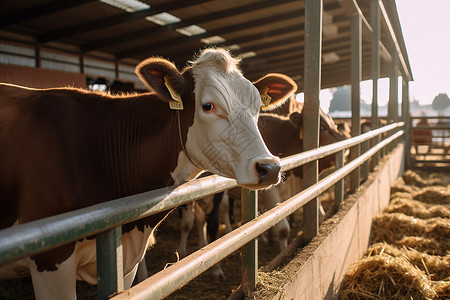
[[410, 255]]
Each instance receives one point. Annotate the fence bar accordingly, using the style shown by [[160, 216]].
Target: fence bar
[[38, 236], [312, 75], [339, 187], [249, 211], [172, 278], [376, 36], [356, 54], [109, 262]]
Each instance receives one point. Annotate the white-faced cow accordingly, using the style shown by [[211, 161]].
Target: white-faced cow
[[281, 134], [63, 149]]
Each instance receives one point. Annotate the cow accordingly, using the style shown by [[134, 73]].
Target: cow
[[281, 135], [422, 136], [63, 149]]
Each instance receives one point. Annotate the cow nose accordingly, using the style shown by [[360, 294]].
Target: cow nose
[[268, 173]]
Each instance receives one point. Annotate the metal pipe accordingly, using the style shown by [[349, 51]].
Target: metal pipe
[[109, 262], [356, 57], [339, 187], [376, 36], [169, 280], [249, 266], [312, 75]]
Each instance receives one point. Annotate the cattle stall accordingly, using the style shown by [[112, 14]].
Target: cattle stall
[[430, 141], [365, 36]]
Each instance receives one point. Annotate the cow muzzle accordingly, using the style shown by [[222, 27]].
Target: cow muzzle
[[268, 173]]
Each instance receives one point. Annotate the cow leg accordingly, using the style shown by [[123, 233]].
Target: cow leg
[[59, 284], [200, 219], [269, 199], [225, 212], [187, 221], [212, 218]]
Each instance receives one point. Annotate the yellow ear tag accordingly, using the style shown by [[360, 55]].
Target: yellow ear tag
[[176, 103], [265, 98]]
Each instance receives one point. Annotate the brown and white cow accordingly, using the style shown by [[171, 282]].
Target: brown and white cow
[[63, 149]]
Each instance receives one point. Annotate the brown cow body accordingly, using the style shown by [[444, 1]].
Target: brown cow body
[[63, 149]]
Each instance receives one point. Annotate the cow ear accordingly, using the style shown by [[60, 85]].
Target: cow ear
[[277, 87], [161, 77], [296, 119]]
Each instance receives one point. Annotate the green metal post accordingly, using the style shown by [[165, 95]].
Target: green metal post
[[249, 211], [376, 36], [109, 262], [339, 187], [356, 54], [312, 75], [407, 120]]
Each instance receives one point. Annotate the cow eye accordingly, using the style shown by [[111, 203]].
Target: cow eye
[[207, 106]]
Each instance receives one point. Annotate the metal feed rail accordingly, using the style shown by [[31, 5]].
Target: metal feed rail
[[105, 218]]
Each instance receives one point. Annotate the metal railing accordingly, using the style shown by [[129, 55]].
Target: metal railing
[[105, 219], [430, 141]]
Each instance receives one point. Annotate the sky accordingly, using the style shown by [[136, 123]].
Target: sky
[[426, 31]]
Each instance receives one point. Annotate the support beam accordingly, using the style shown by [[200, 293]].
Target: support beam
[[404, 67], [376, 35], [356, 67], [312, 75], [407, 120], [39, 11], [249, 266]]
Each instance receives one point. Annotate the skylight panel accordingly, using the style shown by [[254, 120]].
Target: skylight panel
[[163, 19], [191, 30], [127, 5], [216, 39], [247, 54], [234, 47]]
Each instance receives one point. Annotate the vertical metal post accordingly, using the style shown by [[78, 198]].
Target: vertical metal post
[[393, 93], [312, 75], [356, 80], [249, 211], [393, 90], [109, 262], [407, 121], [376, 36], [339, 187]]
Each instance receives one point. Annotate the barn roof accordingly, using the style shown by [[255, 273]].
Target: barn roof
[[269, 35]]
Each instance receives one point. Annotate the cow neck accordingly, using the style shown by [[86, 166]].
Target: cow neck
[[143, 144]]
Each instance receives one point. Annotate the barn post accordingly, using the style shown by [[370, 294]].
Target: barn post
[[376, 36], [355, 80], [312, 75], [393, 93], [339, 186], [407, 120], [109, 262], [249, 269]]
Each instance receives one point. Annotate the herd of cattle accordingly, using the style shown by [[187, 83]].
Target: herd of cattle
[[63, 149]]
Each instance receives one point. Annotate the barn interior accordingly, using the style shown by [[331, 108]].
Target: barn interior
[[49, 43]]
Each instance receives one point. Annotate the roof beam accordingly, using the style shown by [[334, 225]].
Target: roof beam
[[116, 20], [38, 11], [130, 36], [169, 43]]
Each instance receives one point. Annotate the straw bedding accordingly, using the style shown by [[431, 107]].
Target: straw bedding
[[410, 253]]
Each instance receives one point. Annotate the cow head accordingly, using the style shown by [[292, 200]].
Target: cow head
[[328, 134], [223, 136]]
